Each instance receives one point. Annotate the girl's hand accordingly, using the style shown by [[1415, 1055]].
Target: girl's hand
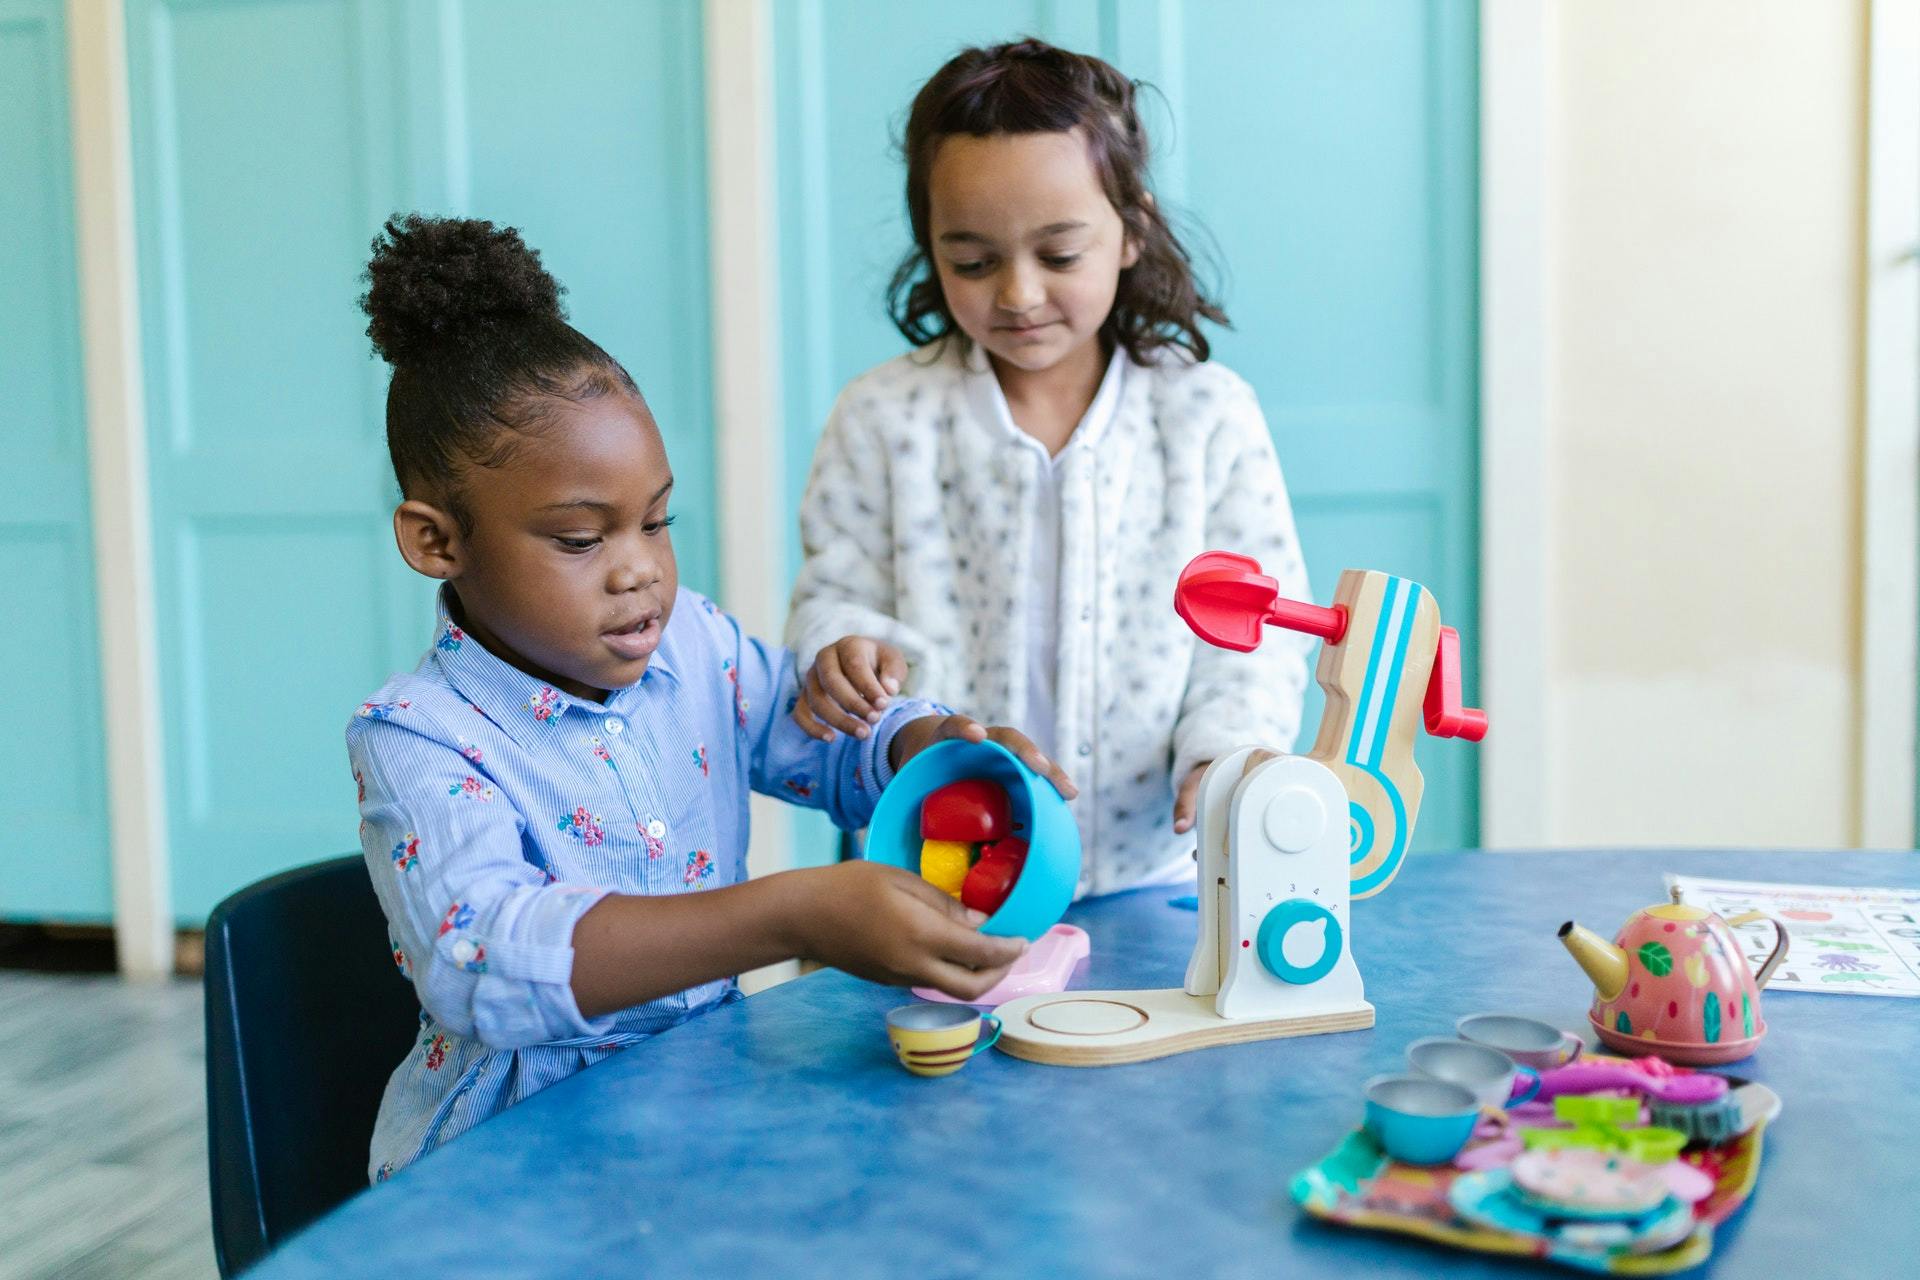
[[887, 925], [1186, 799], [917, 735], [848, 686]]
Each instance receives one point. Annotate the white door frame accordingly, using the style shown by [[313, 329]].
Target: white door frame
[[743, 280], [1515, 461], [1890, 451], [117, 462]]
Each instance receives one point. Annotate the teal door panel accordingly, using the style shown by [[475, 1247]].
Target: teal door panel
[[1327, 150], [1330, 150], [55, 863], [583, 124], [262, 168], [271, 141]]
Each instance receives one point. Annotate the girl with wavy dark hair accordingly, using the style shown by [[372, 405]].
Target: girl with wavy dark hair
[[996, 518]]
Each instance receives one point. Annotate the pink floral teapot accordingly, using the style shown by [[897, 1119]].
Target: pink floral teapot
[[1674, 982]]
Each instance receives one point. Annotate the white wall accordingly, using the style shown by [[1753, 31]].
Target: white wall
[[1704, 247]]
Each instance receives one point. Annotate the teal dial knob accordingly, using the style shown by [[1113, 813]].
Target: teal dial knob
[[1303, 920]]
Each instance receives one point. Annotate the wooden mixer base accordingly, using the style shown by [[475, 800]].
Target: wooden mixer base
[[1107, 1028]]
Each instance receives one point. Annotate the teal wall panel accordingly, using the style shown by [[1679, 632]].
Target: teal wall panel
[[583, 124], [271, 139], [1327, 151], [261, 172], [54, 857], [1330, 150]]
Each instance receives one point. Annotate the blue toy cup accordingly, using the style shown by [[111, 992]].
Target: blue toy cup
[[1420, 1120], [1052, 871]]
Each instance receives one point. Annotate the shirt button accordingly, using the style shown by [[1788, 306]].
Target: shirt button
[[1086, 615], [616, 725], [1086, 748]]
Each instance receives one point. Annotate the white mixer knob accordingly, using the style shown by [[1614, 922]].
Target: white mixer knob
[[1294, 820]]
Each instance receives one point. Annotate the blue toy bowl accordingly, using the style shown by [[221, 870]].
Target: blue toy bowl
[[1046, 884]]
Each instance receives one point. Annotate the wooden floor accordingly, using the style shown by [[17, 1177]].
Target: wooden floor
[[103, 1164]]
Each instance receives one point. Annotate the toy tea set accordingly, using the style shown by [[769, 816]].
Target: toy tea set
[[1506, 1139], [1610, 1164], [1511, 1139]]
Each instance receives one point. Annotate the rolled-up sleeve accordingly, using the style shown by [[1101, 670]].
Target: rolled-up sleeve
[[844, 776], [484, 934], [846, 582]]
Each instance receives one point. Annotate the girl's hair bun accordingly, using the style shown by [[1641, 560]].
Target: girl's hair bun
[[453, 284]]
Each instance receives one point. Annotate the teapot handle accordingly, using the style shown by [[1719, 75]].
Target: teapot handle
[[1779, 947]]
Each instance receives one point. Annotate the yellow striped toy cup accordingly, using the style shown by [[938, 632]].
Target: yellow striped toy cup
[[939, 1039]]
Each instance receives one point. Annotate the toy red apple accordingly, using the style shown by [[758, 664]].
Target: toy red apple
[[992, 877], [969, 811]]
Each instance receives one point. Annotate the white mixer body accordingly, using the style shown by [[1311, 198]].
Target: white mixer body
[[1275, 937]]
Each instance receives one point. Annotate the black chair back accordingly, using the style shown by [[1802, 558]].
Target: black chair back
[[306, 1019]]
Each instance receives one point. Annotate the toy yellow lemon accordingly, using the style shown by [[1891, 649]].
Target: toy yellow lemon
[[938, 1039], [944, 864]]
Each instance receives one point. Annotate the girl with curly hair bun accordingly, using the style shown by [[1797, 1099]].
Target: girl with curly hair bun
[[998, 517], [553, 803]]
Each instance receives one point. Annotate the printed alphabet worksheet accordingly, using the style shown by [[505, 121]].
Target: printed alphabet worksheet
[[1863, 942]]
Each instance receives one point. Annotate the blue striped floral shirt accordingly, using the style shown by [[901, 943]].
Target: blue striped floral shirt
[[496, 810]]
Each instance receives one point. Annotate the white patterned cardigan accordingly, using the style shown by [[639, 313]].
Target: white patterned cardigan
[[916, 528]]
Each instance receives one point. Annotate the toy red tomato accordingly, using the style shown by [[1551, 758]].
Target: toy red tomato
[[969, 811], [992, 877]]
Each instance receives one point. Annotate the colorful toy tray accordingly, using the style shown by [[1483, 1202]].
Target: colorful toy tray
[[1358, 1185]]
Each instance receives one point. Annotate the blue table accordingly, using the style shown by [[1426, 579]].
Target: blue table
[[778, 1137]]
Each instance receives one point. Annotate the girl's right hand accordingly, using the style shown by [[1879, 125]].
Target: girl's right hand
[[888, 925], [848, 686]]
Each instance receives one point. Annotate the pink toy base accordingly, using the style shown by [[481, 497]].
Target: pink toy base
[[1046, 968], [1691, 1055]]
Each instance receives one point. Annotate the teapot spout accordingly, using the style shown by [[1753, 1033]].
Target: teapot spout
[[1605, 963]]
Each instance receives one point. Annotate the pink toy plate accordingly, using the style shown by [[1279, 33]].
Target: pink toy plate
[[1046, 968]]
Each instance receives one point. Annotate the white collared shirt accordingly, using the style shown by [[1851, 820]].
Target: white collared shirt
[[1043, 599]]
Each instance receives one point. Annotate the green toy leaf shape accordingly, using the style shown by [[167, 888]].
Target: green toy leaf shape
[[1657, 958], [1622, 1023], [1711, 1018], [1746, 1016]]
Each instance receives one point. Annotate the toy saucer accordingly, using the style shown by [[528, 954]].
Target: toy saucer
[[1580, 1182], [1758, 1104], [1047, 967], [1489, 1199]]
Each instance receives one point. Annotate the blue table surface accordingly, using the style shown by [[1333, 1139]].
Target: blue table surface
[[777, 1136]]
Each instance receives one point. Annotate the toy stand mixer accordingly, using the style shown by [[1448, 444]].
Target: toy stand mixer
[[1285, 841]]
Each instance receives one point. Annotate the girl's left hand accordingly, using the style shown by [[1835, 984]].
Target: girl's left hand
[[848, 686], [917, 735], [1186, 799]]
